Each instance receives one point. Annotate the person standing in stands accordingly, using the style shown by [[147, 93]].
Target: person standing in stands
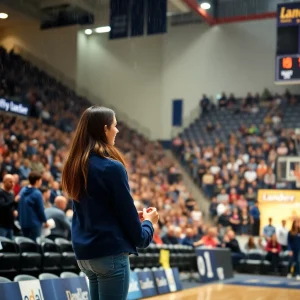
[[269, 230], [31, 208], [255, 215], [7, 201], [282, 235], [106, 226], [294, 249]]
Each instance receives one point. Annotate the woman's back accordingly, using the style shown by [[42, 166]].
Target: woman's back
[[105, 220]]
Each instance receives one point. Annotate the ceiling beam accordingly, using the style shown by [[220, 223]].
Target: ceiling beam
[[193, 4]]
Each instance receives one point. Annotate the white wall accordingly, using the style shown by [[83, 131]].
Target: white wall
[[237, 58], [57, 47], [126, 74], [141, 76]]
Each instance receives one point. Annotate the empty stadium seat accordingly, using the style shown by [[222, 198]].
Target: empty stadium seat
[[31, 258], [4, 280], [68, 275], [68, 261], [24, 277], [9, 257], [45, 276], [51, 256]]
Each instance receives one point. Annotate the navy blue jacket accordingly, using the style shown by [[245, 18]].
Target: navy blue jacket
[[105, 220], [31, 208], [294, 242]]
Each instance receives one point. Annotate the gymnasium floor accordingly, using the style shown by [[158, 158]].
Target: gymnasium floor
[[232, 292], [240, 287]]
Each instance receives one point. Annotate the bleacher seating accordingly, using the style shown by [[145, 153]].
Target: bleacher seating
[[51, 256], [31, 258]]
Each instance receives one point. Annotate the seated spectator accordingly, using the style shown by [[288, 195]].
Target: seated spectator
[[213, 207], [210, 127], [223, 220], [189, 239], [231, 100], [17, 186], [231, 242], [25, 169], [241, 203], [250, 245], [262, 169], [156, 236], [250, 176], [208, 184], [218, 187], [235, 220], [233, 195], [209, 240], [31, 208], [7, 207], [251, 196], [46, 196], [170, 238], [223, 196], [245, 222], [223, 101], [204, 104], [282, 149], [55, 191], [57, 213], [273, 249], [269, 230], [222, 207]]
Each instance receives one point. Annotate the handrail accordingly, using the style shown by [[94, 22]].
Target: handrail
[[80, 90]]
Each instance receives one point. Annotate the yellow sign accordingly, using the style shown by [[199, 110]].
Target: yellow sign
[[292, 13], [278, 205], [165, 258]]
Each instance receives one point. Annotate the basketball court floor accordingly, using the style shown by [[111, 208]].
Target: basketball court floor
[[232, 292]]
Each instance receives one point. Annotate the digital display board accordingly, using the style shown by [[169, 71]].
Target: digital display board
[[287, 62]]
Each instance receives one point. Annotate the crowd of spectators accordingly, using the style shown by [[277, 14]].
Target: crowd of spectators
[[231, 173], [33, 150]]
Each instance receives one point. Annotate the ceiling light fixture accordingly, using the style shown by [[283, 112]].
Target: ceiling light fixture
[[103, 29], [3, 16], [88, 31], [205, 5]]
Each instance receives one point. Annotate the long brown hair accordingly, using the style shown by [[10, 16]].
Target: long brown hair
[[295, 228], [88, 137]]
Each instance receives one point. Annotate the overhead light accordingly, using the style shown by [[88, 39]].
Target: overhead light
[[103, 29], [205, 5], [88, 31], [3, 16]]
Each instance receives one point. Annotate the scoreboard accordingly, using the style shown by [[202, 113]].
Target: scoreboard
[[287, 62]]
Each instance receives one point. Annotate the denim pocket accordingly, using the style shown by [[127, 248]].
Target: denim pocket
[[103, 265]]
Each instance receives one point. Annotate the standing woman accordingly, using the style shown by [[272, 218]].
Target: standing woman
[[106, 227], [294, 250]]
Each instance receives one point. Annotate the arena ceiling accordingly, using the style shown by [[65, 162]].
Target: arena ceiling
[[180, 11]]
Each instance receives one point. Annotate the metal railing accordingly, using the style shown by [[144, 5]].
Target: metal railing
[[80, 90]]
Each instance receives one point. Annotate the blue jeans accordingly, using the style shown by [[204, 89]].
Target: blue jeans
[[32, 233], [108, 276], [6, 232]]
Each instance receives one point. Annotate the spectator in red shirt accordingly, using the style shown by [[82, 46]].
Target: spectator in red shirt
[[209, 240], [156, 236], [273, 248]]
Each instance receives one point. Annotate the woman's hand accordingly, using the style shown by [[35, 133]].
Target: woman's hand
[[151, 215], [141, 215]]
